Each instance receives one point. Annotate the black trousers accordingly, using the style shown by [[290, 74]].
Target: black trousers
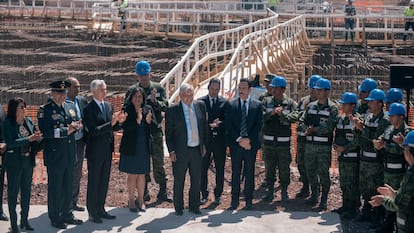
[[77, 170], [2, 171], [99, 170], [19, 179], [240, 157], [190, 160], [217, 153], [59, 192]]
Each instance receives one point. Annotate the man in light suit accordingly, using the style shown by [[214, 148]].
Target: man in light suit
[[216, 141], [243, 121], [100, 122], [80, 103], [185, 131]]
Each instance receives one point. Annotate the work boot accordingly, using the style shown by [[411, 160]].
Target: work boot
[[268, 197], [163, 195], [323, 205], [315, 196], [304, 192], [388, 225], [285, 197]]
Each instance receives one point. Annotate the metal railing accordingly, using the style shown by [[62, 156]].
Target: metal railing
[[287, 35], [209, 50]]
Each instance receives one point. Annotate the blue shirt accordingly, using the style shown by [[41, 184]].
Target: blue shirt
[[186, 111]]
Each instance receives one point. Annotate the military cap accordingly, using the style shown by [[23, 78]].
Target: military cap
[[60, 86]]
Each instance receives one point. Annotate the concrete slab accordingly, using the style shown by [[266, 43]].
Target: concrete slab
[[164, 220]]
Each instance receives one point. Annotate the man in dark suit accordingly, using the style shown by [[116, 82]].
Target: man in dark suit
[[100, 122], [243, 121], [3, 216], [216, 141], [58, 122], [185, 131], [80, 103]]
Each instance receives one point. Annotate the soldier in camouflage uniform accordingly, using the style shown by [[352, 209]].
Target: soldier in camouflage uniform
[[301, 138], [320, 120], [401, 201], [394, 164], [157, 99], [371, 171], [280, 112], [347, 145], [364, 89]]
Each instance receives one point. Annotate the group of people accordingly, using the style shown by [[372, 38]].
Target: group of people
[[371, 146]]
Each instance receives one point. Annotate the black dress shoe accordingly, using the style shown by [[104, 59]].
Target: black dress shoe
[[77, 208], [195, 211], [95, 219], [105, 215], [3, 217], [178, 212], [133, 210], [203, 201], [25, 225], [59, 225], [73, 221], [161, 197]]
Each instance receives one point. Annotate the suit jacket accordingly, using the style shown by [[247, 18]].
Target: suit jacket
[[176, 129], [129, 136], [59, 146], [99, 129], [15, 142], [216, 136], [254, 122]]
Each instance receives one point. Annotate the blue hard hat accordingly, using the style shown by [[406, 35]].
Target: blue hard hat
[[368, 84], [312, 80], [323, 83], [396, 109], [394, 95], [376, 94], [142, 68], [409, 139], [278, 81], [349, 98]]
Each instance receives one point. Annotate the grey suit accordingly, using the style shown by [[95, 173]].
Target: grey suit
[[187, 157]]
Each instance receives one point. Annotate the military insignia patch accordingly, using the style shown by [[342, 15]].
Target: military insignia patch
[[72, 113], [56, 116]]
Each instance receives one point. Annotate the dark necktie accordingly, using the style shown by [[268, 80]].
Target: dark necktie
[[213, 102], [243, 124], [103, 110]]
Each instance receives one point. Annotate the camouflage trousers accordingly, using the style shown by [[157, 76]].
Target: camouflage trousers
[[300, 161], [348, 178], [157, 156], [277, 157], [317, 163], [393, 179], [371, 176]]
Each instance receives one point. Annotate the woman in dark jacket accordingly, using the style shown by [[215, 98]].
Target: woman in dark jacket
[[22, 144], [135, 146]]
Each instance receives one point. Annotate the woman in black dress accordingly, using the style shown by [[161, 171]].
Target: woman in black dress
[[135, 146], [22, 144]]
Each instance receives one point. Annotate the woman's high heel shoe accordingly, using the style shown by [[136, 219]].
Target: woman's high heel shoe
[[26, 225]]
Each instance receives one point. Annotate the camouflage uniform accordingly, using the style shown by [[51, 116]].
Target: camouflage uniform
[[371, 171], [347, 137], [264, 95], [300, 145], [362, 109], [318, 146], [276, 141], [157, 145], [403, 203]]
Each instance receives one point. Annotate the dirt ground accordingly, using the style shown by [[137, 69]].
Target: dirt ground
[[118, 195]]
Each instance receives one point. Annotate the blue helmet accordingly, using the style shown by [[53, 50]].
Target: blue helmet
[[312, 80], [278, 81], [376, 94], [409, 139], [349, 98], [323, 83], [396, 109], [142, 68], [367, 84], [394, 95]]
